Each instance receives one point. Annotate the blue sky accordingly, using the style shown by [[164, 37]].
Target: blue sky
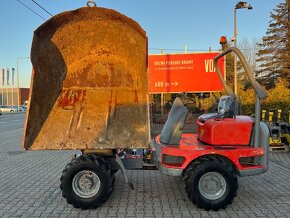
[[170, 24]]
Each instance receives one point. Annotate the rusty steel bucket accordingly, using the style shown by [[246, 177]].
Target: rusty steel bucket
[[89, 85]]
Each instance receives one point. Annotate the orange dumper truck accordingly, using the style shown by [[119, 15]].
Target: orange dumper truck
[[90, 93]]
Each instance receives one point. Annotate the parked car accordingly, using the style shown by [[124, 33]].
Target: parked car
[[22, 108], [6, 108]]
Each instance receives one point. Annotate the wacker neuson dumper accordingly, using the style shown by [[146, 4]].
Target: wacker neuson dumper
[[89, 93]]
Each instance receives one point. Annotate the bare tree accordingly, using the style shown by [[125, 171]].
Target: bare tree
[[250, 50]]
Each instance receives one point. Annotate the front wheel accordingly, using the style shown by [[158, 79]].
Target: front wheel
[[87, 182], [210, 183]]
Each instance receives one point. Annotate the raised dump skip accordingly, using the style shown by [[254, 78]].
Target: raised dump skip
[[89, 86]]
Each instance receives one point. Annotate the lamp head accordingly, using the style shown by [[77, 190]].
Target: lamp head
[[241, 5]]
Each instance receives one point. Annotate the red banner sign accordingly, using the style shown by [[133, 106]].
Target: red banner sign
[[184, 73]]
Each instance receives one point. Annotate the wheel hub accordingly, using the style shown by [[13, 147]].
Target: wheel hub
[[86, 184], [212, 185]]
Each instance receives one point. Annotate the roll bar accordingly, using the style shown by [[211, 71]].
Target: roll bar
[[259, 91], [262, 95]]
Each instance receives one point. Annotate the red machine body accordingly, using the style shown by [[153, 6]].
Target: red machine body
[[190, 148], [227, 137], [225, 131], [226, 146]]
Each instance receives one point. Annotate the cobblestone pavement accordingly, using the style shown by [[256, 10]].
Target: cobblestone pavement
[[29, 187]]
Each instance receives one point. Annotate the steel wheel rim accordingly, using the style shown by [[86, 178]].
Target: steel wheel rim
[[86, 184], [212, 185]]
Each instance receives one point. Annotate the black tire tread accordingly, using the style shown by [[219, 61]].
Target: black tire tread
[[99, 162], [190, 172]]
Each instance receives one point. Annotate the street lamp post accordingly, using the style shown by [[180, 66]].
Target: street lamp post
[[18, 92], [239, 5]]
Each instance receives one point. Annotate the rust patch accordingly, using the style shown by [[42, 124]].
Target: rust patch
[[71, 97]]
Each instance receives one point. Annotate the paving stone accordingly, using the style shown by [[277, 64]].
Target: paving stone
[[29, 186]]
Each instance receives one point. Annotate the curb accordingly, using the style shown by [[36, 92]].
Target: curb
[[8, 113]]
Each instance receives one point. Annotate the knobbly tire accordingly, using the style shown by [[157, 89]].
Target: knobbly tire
[[87, 181], [210, 183]]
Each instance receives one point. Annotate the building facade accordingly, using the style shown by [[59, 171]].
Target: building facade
[[9, 96]]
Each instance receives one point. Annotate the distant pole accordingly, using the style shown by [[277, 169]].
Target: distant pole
[[17, 71], [12, 86], [185, 49], [224, 44], [7, 96], [161, 95], [235, 57], [12, 96], [3, 72], [239, 5], [7, 88]]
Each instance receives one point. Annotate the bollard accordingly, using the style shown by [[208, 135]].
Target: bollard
[[263, 115], [279, 116], [270, 117]]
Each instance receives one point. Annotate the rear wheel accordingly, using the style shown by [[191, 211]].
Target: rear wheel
[[210, 183], [87, 182]]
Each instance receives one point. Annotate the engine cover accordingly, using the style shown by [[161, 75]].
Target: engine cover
[[226, 131]]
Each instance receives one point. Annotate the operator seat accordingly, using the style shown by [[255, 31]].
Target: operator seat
[[226, 109]]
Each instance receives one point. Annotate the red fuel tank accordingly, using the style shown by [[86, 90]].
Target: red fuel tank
[[226, 131]]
